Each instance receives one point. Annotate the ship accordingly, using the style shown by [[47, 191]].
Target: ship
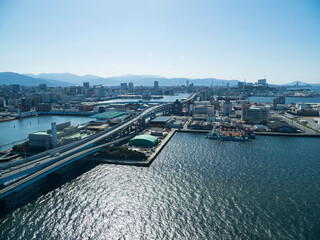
[[228, 135]]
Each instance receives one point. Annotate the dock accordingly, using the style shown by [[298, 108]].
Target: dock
[[143, 163], [287, 134], [259, 133], [148, 162]]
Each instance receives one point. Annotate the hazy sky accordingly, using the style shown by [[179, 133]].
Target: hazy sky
[[228, 39]]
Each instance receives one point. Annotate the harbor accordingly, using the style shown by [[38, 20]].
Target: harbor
[[257, 133], [19, 129], [142, 163], [160, 120], [226, 179]]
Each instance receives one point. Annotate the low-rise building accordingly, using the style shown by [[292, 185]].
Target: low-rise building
[[282, 127], [255, 114], [40, 139], [144, 141], [162, 121], [155, 131]]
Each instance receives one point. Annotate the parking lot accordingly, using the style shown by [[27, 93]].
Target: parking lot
[[311, 122]]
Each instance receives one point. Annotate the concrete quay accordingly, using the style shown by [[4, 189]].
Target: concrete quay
[[145, 163], [287, 134], [259, 133], [193, 131], [164, 142]]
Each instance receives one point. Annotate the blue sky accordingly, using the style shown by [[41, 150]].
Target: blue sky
[[228, 39]]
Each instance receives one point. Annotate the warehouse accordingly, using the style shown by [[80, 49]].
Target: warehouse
[[144, 140], [281, 127], [162, 121], [108, 115]]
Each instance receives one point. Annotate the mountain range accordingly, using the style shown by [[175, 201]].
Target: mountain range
[[143, 80], [7, 78], [69, 79]]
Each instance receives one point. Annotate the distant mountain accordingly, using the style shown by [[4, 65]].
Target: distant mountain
[[69, 79], [138, 80], [144, 80], [7, 78], [149, 81], [65, 77], [298, 84]]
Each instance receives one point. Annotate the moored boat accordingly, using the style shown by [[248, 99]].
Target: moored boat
[[240, 136]]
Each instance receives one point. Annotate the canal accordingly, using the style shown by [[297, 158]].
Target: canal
[[19, 129], [16, 130]]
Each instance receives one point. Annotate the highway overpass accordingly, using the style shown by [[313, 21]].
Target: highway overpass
[[15, 176]]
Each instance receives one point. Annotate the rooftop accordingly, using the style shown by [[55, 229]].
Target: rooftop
[[144, 140], [108, 115], [162, 119], [40, 133], [145, 137], [82, 135], [278, 124]]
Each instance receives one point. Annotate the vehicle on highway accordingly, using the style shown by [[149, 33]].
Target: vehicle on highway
[[55, 154]]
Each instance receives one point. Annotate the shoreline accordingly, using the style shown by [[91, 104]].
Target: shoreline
[[258, 133], [38, 115], [164, 142], [8, 120], [136, 163]]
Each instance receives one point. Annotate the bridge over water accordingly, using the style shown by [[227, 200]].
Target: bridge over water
[[15, 176]]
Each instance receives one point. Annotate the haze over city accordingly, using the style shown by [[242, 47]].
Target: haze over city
[[233, 39]]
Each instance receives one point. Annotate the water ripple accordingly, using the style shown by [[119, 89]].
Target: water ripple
[[195, 189]]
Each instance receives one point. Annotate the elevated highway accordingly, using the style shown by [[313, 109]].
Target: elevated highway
[[14, 177]]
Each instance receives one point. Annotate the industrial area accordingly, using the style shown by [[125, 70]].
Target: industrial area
[[134, 132]]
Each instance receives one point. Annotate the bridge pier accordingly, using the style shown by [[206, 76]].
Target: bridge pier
[[142, 123], [136, 127]]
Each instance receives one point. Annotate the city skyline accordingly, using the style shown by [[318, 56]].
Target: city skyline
[[252, 40]]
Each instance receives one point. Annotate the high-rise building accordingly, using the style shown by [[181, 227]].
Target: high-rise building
[[240, 84], [15, 87], [99, 90], [281, 100], [177, 108], [156, 85], [227, 108], [131, 87], [262, 81], [228, 85], [86, 88], [54, 134], [124, 86], [211, 114], [86, 85], [204, 96], [42, 87]]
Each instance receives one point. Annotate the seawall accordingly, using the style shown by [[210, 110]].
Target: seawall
[[145, 163]]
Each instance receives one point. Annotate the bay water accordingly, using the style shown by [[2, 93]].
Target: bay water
[[195, 189]]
